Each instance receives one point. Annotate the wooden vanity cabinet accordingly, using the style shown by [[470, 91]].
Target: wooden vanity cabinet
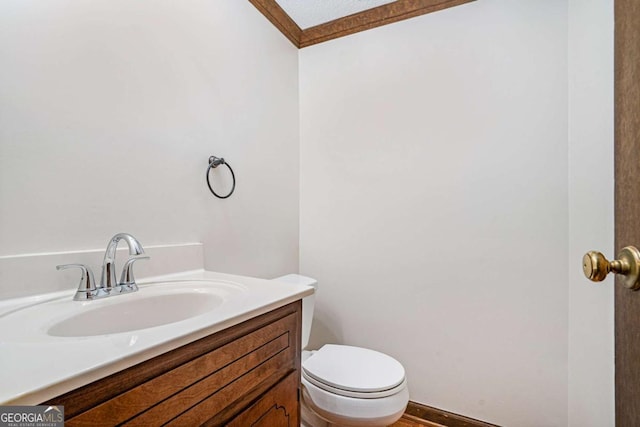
[[246, 375]]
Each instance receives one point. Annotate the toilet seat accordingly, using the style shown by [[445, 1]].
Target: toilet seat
[[354, 394], [354, 372]]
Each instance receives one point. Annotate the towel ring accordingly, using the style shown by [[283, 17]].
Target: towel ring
[[214, 162]]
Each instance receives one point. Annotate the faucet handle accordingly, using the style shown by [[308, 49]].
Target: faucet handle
[[126, 278], [87, 285]]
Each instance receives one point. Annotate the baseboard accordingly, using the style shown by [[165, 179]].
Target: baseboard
[[439, 417]]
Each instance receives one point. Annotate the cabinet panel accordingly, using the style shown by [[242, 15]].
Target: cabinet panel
[[277, 408], [213, 393]]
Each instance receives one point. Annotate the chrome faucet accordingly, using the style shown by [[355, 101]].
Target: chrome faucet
[[87, 290], [127, 281]]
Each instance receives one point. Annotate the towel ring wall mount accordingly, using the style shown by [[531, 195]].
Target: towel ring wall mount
[[214, 162]]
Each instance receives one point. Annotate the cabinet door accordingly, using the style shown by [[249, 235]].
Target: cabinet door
[[279, 407]]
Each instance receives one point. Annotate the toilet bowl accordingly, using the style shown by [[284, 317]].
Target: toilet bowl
[[345, 385]]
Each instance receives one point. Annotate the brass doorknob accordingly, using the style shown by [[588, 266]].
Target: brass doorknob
[[596, 266]]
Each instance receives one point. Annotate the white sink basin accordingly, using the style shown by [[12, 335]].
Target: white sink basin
[[133, 314], [154, 305]]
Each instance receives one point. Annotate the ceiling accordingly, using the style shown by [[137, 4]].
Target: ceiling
[[309, 13], [308, 22]]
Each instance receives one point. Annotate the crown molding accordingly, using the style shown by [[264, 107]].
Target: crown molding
[[365, 20]]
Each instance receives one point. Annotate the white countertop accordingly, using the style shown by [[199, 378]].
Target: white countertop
[[36, 367]]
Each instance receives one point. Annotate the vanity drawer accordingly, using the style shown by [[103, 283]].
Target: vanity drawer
[[208, 381]]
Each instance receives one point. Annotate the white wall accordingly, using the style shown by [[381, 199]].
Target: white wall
[[109, 110], [591, 353], [434, 203], [434, 199]]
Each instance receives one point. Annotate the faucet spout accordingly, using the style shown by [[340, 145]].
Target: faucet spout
[[108, 278]]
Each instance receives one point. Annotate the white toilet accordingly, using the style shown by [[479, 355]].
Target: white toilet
[[345, 385]]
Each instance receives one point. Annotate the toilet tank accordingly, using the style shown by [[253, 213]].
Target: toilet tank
[[307, 302]]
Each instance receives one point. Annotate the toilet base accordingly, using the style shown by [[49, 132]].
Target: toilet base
[[312, 416], [308, 418]]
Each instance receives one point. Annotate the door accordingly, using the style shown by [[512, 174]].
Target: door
[[627, 207]]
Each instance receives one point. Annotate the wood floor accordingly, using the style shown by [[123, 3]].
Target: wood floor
[[417, 414], [409, 421]]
